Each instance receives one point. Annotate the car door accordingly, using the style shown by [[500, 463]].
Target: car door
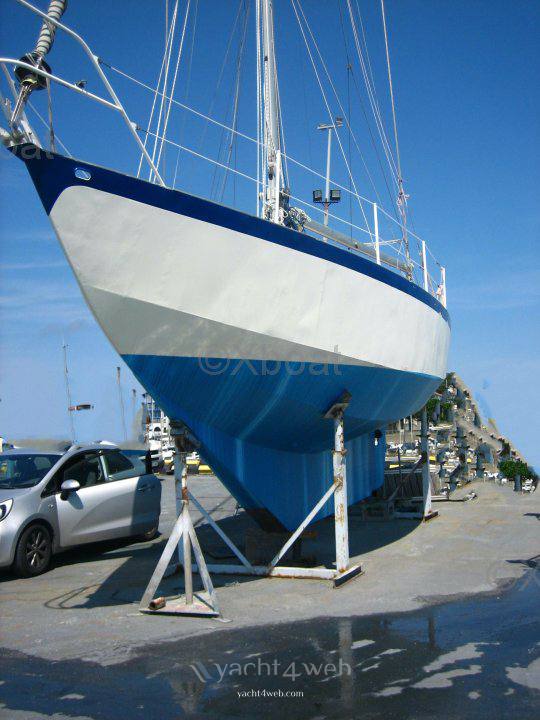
[[89, 514], [137, 500]]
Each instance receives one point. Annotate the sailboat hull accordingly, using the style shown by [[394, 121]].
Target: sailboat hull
[[247, 331]]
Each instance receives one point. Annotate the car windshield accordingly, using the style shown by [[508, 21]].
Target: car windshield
[[23, 470]]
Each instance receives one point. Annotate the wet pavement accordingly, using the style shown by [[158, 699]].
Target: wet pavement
[[475, 658]]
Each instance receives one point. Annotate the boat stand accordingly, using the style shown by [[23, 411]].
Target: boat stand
[[426, 511], [206, 603], [182, 540]]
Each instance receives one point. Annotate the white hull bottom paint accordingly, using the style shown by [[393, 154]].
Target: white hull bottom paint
[[248, 331]]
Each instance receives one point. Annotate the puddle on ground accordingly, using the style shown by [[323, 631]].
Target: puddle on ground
[[472, 658]]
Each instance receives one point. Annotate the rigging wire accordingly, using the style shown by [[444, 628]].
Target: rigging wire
[[52, 143], [156, 89], [234, 176], [179, 56], [332, 85], [197, 154], [391, 91], [339, 102], [306, 123], [349, 138], [402, 197], [377, 106], [364, 112], [329, 112], [214, 183], [165, 30], [372, 100], [188, 86], [232, 141], [254, 180], [207, 117], [368, 59], [238, 133], [165, 84], [46, 124], [412, 263]]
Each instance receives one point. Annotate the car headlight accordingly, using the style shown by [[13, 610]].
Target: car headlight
[[5, 507]]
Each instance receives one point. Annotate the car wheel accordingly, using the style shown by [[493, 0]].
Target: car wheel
[[34, 551]]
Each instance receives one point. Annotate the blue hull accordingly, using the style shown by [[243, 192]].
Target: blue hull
[[262, 429]]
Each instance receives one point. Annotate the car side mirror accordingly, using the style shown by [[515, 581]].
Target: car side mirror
[[67, 487]]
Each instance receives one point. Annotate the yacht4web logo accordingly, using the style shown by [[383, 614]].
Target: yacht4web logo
[[215, 672]]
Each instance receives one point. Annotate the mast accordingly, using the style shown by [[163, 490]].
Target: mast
[[271, 138]]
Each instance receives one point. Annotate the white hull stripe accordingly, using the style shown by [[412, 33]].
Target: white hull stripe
[[171, 333], [238, 283], [53, 174]]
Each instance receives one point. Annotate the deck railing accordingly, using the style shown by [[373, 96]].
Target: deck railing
[[406, 254]]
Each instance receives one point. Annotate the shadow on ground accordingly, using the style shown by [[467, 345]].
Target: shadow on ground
[[126, 583]]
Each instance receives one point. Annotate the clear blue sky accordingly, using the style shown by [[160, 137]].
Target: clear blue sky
[[467, 95]]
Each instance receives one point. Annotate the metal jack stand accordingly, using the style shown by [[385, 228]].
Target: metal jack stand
[[426, 511], [343, 571], [203, 603], [206, 603]]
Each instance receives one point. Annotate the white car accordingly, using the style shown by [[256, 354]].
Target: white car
[[50, 501]]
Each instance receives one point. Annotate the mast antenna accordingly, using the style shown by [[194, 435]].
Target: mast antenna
[[68, 394], [121, 396]]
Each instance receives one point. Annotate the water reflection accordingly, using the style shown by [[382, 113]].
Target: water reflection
[[472, 658], [430, 660]]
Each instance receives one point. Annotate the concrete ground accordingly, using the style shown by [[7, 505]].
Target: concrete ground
[[85, 609]]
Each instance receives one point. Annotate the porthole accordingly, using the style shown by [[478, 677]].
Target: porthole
[[82, 174]]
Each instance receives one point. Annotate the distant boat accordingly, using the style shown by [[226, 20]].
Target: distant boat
[[269, 326], [156, 435]]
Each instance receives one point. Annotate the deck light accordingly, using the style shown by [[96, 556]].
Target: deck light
[[334, 195]]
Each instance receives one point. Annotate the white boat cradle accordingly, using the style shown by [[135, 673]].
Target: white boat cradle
[[417, 355], [183, 538]]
